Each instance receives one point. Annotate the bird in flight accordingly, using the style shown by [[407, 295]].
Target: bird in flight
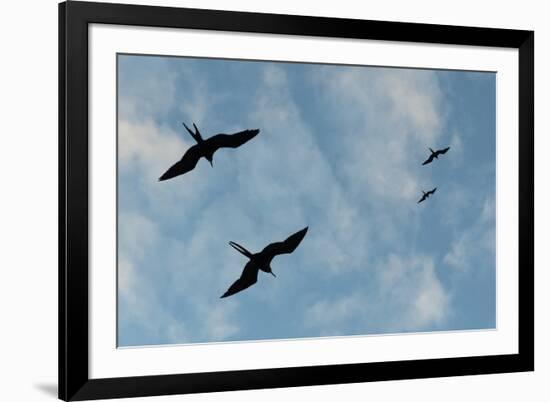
[[205, 149], [425, 195], [262, 260], [435, 154]]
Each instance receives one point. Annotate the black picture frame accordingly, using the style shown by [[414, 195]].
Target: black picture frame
[[74, 381]]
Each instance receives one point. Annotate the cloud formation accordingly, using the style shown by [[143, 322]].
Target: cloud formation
[[477, 241], [339, 151]]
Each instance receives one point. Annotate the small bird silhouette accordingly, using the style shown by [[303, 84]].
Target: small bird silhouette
[[206, 149], [435, 154], [262, 260], [425, 195]]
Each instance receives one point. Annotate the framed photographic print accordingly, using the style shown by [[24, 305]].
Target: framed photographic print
[[257, 201]]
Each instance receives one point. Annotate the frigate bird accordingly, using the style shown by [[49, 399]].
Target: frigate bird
[[262, 260], [205, 149], [435, 154], [425, 194]]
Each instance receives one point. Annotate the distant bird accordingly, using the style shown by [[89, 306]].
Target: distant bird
[[435, 154], [425, 195], [262, 260], [206, 149]]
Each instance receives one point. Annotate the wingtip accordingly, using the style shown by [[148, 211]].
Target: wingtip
[[164, 176], [303, 231], [167, 176]]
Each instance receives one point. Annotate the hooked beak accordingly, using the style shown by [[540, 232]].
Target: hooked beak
[[211, 163], [271, 272]]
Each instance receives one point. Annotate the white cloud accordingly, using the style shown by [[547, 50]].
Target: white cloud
[[412, 286], [330, 316], [148, 147], [394, 114], [474, 242], [126, 279], [457, 148], [136, 235], [138, 301], [414, 101], [488, 211], [144, 297], [407, 295], [219, 321]]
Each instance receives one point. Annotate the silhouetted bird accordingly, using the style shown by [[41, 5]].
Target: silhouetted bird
[[435, 154], [426, 195], [262, 260], [206, 149]]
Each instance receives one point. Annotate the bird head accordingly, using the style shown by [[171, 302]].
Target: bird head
[[210, 158]]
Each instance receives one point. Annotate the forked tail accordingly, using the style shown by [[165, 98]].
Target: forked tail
[[196, 135], [240, 249]]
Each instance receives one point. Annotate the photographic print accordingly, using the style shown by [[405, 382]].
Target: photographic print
[[268, 200], [256, 201]]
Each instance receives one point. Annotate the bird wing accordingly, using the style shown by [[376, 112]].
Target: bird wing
[[433, 191], [287, 246], [185, 164], [443, 151], [231, 140], [429, 160], [422, 199], [248, 278]]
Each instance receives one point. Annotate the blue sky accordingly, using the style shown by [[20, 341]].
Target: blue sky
[[340, 151]]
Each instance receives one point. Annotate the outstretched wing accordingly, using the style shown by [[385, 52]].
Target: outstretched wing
[[443, 151], [230, 140], [433, 191], [287, 246], [184, 165], [422, 199], [248, 278], [429, 160]]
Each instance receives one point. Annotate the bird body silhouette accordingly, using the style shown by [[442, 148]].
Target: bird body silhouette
[[426, 194], [262, 261], [435, 154], [206, 149]]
